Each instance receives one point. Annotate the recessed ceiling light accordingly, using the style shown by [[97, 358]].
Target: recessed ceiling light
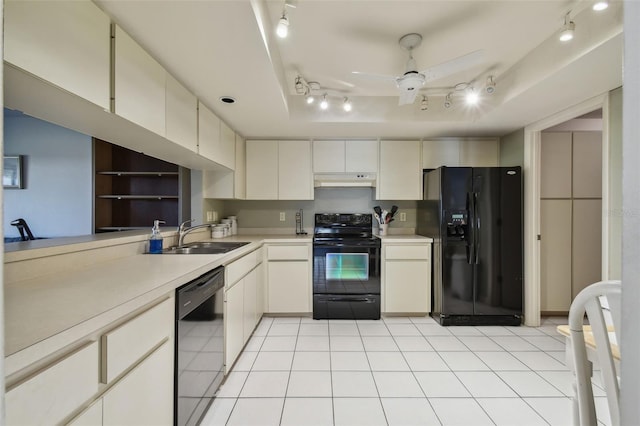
[[227, 100]]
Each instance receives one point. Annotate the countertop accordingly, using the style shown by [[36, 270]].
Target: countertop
[[59, 307], [40, 308]]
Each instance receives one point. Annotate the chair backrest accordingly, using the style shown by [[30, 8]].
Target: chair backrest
[[602, 304]]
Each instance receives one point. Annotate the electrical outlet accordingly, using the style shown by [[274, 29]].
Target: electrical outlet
[[282, 216], [403, 217], [209, 216]]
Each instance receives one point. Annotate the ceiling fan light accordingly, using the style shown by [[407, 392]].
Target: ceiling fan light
[[283, 26], [600, 5], [324, 104], [346, 105]]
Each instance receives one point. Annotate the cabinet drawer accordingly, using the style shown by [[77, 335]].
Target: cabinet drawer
[[420, 252], [240, 267], [125, 345], [56, 392], [288, 252]]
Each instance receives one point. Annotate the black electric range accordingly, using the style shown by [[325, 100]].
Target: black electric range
[[346, 267]]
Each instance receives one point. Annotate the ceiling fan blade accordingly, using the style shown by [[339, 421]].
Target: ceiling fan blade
[[454, 66], [377, 76], [407, 97]]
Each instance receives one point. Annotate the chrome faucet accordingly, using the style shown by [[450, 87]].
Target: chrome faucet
[[183, 230]]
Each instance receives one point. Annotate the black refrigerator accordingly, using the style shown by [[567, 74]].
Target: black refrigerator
[[474, 215]]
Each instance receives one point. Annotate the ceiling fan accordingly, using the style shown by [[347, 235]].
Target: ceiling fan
[[412, 80]]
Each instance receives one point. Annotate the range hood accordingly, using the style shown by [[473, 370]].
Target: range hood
[[344, 180]]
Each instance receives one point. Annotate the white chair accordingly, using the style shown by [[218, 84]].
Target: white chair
[[602, 304]]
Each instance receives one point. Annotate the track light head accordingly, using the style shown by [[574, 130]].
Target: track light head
[[472, 97], [346, 105], [600, 5], [568, 29], [309, 99], [490, 87], [424, 104], [283, 25], [324, 104], [300, 87], [447, 101]]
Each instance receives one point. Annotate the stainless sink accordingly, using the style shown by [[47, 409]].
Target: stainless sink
[[212, 247]]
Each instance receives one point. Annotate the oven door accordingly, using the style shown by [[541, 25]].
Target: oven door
[[346, 280]]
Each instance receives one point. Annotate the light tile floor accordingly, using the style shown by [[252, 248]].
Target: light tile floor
[[398, 371]]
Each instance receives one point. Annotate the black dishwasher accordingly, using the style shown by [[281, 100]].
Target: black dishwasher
[[199, 337]]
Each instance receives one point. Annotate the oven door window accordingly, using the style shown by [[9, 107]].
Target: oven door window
[[347, 266]]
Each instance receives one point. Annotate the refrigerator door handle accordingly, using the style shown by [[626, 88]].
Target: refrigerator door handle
[[476, 229], [471, 254]]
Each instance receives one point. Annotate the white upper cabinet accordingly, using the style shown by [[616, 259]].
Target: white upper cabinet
[[216, 140], [65, 43], [227, 184], [279, 170], [328, 156], [181, 115], [140, 85], [227, 155], [479, 153], [338, 156], [208, 133], [361, 156], [460, 152], [262, 170], [295, 180], [240, 176], [400, 176]]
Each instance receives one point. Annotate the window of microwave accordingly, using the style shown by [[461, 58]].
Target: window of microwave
[[347, 266]]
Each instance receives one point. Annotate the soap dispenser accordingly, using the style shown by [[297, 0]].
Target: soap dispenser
[[155, 240]]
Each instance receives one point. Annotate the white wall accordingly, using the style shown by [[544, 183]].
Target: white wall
[[57, 199]]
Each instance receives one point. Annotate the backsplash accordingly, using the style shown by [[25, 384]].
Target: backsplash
[[266, 214]]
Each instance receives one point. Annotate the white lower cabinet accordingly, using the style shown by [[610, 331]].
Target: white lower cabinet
[[145, 395], [234, 328], [127, 378], [243, 303], [407, 278], [289, 278], [57, 391]]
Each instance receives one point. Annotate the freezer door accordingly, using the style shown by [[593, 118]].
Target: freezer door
[[457, 280], [498, 278]]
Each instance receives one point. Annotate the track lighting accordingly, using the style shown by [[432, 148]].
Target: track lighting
[[424, 104], [600, 5], [346, 105], [300, 89], [309, 99], [472, 97], [447, 101], [568, 29], [324, 104], [490, 87], [283, 25]]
